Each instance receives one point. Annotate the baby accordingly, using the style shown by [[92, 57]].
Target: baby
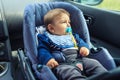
[[59, 48]]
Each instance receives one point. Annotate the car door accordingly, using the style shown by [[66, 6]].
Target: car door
[[5, 49], [104, 26]]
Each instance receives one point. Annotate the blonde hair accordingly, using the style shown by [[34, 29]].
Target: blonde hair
[[49, 17]]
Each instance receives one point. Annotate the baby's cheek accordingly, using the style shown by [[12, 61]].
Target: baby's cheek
[[61, 30]]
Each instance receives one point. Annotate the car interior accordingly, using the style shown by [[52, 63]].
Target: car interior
[[18, 57]]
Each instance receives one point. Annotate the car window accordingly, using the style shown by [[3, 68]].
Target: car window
[[109, 5], [103, 4]]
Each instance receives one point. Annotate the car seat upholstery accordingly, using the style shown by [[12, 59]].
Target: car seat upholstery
[[33, 17]]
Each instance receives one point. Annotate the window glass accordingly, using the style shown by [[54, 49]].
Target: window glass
[[109, 5], [103, 4]]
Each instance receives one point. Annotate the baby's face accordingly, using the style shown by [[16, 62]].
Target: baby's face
[[60, 23]]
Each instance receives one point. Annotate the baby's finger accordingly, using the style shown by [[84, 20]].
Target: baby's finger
[[52, 65], [56, 63]]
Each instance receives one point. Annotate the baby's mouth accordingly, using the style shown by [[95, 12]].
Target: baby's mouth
[[68, 30]]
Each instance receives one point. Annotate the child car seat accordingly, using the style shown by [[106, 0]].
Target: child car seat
[[33, 17]]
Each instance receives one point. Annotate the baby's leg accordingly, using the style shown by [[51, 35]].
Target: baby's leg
[[92, 67], [68, 72]]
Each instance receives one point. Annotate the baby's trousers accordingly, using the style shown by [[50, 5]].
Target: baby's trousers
[[70, 72]]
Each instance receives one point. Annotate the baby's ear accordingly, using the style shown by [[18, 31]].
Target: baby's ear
[[50, 28]]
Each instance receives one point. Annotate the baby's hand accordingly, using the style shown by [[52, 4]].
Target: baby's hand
[[52, 63], [84, 51]]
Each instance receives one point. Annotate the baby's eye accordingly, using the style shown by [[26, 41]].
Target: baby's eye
[[63, 21]]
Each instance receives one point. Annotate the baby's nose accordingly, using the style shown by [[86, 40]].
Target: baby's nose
[[68, 24]]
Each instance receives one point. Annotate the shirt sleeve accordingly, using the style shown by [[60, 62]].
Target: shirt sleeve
[[44, 54], [80, 41]]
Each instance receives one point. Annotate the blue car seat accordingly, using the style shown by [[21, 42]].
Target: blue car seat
[[33, 18]]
